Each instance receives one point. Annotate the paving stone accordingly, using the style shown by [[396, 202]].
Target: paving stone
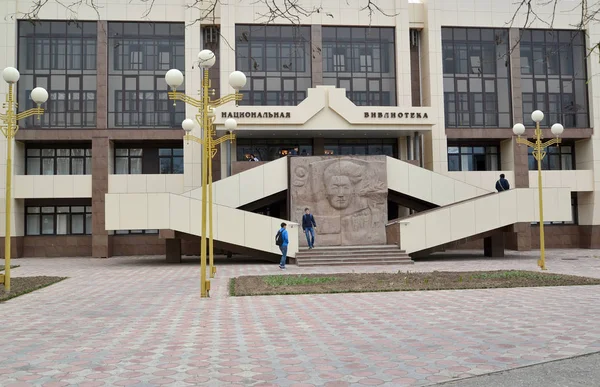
[[136, 321]]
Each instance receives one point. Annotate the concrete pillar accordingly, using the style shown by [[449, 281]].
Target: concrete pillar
[[173, 250], [318, 146], [101, 242], [316, 33], [102, 77], [520, 237], [493, 246]]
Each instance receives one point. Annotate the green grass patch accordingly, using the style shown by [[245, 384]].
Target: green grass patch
[[24, 285], [295, 280], [401, 281]]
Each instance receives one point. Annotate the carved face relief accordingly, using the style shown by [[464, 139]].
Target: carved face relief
[[339, 192]]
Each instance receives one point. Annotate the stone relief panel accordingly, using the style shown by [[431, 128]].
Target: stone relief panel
[[346, 194]]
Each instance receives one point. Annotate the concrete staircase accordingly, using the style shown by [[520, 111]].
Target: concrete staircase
[[352, 255]]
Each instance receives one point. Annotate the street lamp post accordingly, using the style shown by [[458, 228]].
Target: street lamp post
[[205, 119], [539, 152], [9, 129]]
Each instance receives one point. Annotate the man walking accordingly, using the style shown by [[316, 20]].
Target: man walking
[[308, 226], [281, 240], [502, 184]]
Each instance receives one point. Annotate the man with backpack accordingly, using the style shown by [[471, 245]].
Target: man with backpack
[[308, 226], [281, 240], [502, 184]]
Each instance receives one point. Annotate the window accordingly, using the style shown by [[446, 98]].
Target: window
[[388, 147], [362, 61], [473, 157], [476, 78], [277, 62], [558, 158], [268, 150], [61, 57], [58, 161], [170, 160], [554, 78], [58, 220], [139, 56], [128, 161], [143, 158], [135, 232]]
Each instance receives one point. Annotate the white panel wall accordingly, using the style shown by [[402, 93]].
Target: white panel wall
[[581, 181], [426, 185], [461, 220], [133, 211], [482, 179], [145, 183], [249, 186], [52, 186]]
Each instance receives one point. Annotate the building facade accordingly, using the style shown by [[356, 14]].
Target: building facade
[[438, 83]]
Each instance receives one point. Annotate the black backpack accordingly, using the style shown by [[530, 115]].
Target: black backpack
[[279, 238]]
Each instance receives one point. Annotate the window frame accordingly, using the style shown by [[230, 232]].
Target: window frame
[[53, 212], [46, 57], [486, 153], [537, 82], [465, 89], [546, 161], [87, 159]]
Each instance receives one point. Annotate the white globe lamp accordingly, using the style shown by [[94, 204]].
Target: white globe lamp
[[39, 95], [188, 125], [230, 124], [557, 129], [519, 129], [11, 75], [237, 80], [174, 78], [537, 116], [207, 58]]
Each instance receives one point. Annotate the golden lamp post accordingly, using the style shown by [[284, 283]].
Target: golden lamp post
[[539, 152], [205, 119], [9, 128]]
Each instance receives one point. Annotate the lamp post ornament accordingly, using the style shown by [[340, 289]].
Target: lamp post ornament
[[539, 152], [205, 119], [9, 129]]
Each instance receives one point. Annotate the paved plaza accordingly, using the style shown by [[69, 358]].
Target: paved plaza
[[138, 321]]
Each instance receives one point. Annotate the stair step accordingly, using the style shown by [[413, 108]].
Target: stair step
[[346, 253], [353, 263], [387, 256]]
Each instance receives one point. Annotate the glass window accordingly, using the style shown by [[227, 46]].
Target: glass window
[[476, 81], [61, 59], [387, 147], [362, 61], [128, 161], [140, 55], [268, 150], [58, 220], [170, 160], [554, 77], [473, 157], [558, 158], [277, 62], [59, 161]]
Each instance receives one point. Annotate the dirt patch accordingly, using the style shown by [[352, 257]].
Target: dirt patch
[[386, 282], [24, 285]]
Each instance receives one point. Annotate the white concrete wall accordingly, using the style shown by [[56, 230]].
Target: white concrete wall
[[52, 186], [249, 186], [479, 215], [145, 183], [184, 214]]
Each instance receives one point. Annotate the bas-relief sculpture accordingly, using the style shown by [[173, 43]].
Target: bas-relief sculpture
[[347, 196]]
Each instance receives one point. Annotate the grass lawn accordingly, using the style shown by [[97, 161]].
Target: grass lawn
[[389, 282], [24, 285]]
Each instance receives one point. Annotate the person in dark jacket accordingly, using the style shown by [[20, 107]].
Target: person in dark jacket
[[502, 184], [308, 226], [284, 245]]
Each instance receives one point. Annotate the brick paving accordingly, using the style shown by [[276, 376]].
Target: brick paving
[[138, 321]]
